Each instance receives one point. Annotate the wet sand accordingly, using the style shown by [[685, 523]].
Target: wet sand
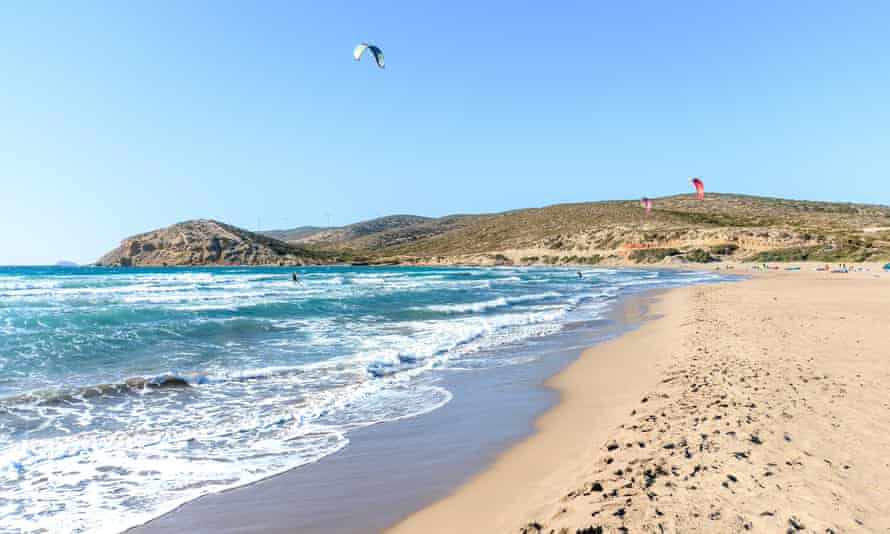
[[390, 470], [759, 406]]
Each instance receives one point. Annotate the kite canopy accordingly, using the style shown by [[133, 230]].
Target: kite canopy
[[646, 203], [375, 51], [699, 187]]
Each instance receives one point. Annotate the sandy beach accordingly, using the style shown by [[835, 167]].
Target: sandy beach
[[445, 267], [759, 405]]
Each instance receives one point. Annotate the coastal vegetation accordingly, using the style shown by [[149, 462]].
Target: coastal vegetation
[[652, 255], [830, 254], [679, 228], [698, 255]]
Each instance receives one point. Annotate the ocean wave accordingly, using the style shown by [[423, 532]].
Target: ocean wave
[[241, 363], [51, 396], [143, 384], [500, 302]]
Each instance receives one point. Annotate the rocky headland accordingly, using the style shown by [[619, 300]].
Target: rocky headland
[[208, 242]]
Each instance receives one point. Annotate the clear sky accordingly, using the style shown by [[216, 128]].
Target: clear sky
[[121, 117]]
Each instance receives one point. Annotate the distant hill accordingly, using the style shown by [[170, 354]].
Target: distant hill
[[745, 227], [294, 234], [379, 234], [66, 263], [207, 242], [352, 232], [722, 225], [679, 228]]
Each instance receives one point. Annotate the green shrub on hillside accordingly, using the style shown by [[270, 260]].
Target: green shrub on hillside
[[828, 254], [583, 260], [699, 256], [719, 219], [652, 255], [724, 249]]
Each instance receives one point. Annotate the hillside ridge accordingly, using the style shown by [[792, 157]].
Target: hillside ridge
[[208, 242], [679, 228]]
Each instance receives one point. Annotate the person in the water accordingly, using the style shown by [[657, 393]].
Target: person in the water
[[580, 275], [293, 276]]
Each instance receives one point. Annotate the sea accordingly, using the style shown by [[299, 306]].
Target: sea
[[125, 392]]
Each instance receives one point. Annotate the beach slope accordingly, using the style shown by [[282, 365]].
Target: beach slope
[[755, 406]]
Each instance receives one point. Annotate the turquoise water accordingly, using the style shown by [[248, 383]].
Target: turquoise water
[[125, 392]]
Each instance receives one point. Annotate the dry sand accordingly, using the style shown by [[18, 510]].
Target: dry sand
[[761, 405]]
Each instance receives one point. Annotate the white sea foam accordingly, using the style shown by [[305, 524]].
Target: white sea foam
[[500, 302], [244, 364]]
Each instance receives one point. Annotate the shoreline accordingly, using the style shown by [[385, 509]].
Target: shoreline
[[754, 381], [525, 491], [596, 384], [355, 489]]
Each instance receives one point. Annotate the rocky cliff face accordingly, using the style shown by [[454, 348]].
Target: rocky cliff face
[[207, 242]]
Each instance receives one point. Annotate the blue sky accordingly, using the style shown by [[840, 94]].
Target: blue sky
[[120, 117]]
